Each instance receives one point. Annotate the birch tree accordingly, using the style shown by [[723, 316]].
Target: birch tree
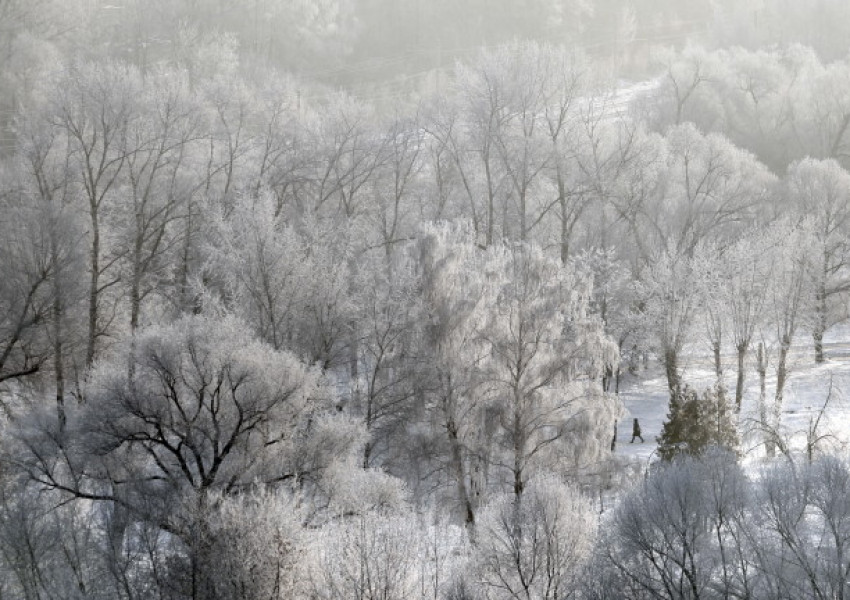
[[546, 356], [454, 278]]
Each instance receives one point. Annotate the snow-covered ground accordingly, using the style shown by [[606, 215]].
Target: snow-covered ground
[[807, 389]]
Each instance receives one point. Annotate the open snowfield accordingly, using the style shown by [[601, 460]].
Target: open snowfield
[[645, 397]]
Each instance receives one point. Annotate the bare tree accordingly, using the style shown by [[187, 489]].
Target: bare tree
[[25, 296], [92, 105], [790, 299], [820, 191], [156, 149], [534, 546]]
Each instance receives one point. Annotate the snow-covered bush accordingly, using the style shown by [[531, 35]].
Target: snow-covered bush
[[374, 556], [250, 546], [534, 545]]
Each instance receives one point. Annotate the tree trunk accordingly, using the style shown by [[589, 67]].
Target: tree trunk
[[136, 285], [718, 362], [617, 381], [456, 458], [820, 321], [94, 291], [781, 377], [718, 371], [739, 383], [368, 418], [761, 366], [118, 521], [460, 476], [185, 257], [565, 229], [614, 438], [491, 208], [58, 333], [671, 369], [519, 449]]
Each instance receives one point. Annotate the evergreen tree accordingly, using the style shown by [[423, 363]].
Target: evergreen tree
[[696, 422]]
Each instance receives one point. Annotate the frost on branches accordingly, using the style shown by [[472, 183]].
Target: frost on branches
[[513, 325]]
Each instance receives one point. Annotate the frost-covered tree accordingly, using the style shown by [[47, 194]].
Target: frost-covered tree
[[91, 105], [708, 264], [260, 263], [746, 282], [607, 166], [683, 84], [680, 534], [613, 300], [156, 184], [387, 355], [699, 527], [50, 547], [568, 119], [483, 109], [25, 295], [783, 103], [820, 191], [369, 557], [526, 361], [347, 151], [293, 286], [711, 187], [526, 141], [454, 281], [671, 193], [668, 297], [790, 302], [252, 546], [208, 409], [30, 34], [803, 521], [227, 112], [545, 358], [397, 185], [732, 283], [42, 187], [535, 546], [211, 406]]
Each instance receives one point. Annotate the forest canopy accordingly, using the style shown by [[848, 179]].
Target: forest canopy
[[341, 299]]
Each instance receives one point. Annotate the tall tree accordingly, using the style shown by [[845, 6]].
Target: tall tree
[[668, 297], [210, 412], [455, 291], [820, 191], [48, 188], [92, 106], [790, 303], [156, 182], [545, 359], [745, 295]]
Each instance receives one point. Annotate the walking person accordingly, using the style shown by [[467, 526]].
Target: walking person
[[636, 432]]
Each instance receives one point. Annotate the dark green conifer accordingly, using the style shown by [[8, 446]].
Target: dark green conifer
[[695, 423]]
